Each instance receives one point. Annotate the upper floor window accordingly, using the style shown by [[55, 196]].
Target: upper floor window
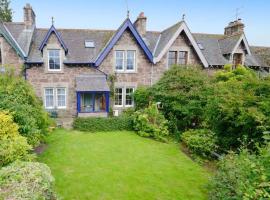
[[54, 60], [237, 59], [119, 58], [182, 57], [179, 58], [172, 58], [125, 60], [131, 60]]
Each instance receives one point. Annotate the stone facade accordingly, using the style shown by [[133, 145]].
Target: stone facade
[[40, 78], [145, 74], [10, 59]]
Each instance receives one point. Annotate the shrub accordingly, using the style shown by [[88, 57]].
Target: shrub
[[13, 146], [93, 124], [238, 111], [26, 180], [18, 97], [183, 92], [151, 123], [201, 142], [142, 97], [244, 176]]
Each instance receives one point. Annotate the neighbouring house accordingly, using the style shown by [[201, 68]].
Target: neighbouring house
[[75, 70]]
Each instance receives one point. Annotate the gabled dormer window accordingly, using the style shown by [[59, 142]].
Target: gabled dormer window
[[54, 63]]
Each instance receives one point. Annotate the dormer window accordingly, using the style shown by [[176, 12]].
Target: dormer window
[[54, 63]]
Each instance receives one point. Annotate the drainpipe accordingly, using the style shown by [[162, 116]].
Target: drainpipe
[[151, 78], [25, 73]]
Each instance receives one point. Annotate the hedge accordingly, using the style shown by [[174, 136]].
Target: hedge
[[96, 124]]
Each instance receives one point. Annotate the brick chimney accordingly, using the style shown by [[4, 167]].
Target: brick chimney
[[140, 24], [29, 16], [234, 28]]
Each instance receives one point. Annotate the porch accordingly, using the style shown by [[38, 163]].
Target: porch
[[93, 96]]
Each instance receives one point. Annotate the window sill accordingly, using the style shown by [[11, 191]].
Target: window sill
[[126, 72]]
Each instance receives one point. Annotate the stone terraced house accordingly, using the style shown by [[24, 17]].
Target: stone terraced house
[[71, 70]]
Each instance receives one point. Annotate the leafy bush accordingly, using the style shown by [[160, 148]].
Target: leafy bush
[[238, 111], [26, 180], [142, 97], [94, 124], [151, 123], [244, 176], [13, 146], [18, 97], [183, 92], [201, 142]]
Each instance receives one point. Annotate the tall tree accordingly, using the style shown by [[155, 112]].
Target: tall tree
[[5, 11]]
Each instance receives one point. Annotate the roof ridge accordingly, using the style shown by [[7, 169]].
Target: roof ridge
[[77, 29], [171, 26]]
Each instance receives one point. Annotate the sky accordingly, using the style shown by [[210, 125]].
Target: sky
[[202, 16]]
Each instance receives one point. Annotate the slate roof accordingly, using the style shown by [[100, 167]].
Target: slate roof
[[214, 46], [22, 36], [165, 36], [262, 54], [227, 44], [92, 83], [74, 40], [211, 48]]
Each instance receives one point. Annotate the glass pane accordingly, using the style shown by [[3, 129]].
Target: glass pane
[[129, 99], [118, 97], [172, 58], [119, 56], [49, 98], [100, 102], [182, 57], [87, 102], [61, 97], [54, 59], [130, 60]]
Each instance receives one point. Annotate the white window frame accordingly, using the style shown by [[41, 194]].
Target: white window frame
[[134, 58], [60, 63], [123, 62], [125, 70], [132, 99], [56, 97], [122, 103], [45, 100]]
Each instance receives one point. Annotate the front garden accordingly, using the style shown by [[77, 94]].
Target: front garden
[[223, 120], [121, 165]]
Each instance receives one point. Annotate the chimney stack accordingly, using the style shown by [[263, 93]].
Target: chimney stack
[[29, 16], [235, 27], [140, 24]]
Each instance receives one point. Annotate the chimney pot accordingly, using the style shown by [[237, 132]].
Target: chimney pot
[[29, 16], [235, 27], [140, 24]]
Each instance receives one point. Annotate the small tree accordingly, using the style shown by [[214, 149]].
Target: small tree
[[5, 11]]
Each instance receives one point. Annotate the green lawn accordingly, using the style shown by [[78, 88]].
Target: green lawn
[[121, 166]]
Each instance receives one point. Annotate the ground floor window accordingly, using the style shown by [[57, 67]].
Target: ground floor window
[[55, 98], [123, 96], [93, 101]]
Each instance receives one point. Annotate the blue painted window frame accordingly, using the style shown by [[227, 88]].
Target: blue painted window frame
[[107, 99]]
